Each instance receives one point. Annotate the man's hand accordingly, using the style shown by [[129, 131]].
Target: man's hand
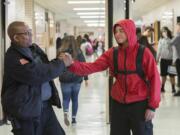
[[66, 57], [149, 115]]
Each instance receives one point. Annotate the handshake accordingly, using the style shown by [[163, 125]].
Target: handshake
[[67, 58]]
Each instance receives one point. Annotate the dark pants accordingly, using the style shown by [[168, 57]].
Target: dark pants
[[178, 70], [164, 63], [127, 118], [47, 124]]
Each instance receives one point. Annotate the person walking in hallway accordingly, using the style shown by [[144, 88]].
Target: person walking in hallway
[[70, 82], [134, 99], [28, 91], [165, 55], [143, 39], [176, 42]]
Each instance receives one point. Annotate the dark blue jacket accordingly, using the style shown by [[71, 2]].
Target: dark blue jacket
[[21, 91], [69, 77]]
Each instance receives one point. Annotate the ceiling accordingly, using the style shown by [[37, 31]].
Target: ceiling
[[63, 10], [141, 7]]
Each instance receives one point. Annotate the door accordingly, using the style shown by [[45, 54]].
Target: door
[[2, 46]]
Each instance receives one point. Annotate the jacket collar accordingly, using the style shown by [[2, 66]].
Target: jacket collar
[[26, 52]]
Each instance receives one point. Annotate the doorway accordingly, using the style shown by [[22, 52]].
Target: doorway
[[2, 46]]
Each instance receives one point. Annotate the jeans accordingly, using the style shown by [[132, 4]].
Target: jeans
[[70, 91]]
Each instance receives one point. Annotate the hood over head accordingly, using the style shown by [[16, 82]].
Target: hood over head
[[129, 28]]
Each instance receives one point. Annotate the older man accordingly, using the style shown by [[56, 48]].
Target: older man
[[28, 90]]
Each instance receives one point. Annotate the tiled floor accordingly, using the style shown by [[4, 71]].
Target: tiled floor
[[92, 116]]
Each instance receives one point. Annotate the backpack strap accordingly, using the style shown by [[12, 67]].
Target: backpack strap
[[139, 69], [139, 59], [115, 59]]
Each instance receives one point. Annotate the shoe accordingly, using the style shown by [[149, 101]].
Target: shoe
[[74, 122], [66, 120], [4, 122], [162, 90], [177, 94], [173, 91]]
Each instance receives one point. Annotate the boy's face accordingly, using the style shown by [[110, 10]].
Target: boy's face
[[120, 35]]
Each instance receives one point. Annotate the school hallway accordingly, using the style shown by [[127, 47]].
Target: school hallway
[[91, 119]]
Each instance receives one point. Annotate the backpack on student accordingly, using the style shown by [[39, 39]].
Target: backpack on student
[[89, 50], [139, 69]]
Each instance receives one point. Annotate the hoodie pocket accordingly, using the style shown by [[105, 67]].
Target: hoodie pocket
[[135, 84]]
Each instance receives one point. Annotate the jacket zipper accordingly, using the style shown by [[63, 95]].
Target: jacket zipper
[[125, 76]]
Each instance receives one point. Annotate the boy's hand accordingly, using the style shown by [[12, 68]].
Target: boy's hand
[[149, 115], [66, 57]]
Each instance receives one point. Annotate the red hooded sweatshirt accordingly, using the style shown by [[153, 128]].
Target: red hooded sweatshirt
[[127, 88]]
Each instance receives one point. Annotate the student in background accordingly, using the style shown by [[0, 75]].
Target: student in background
[[70, 82], [58, 43], [165, 55], [176, 42], [138, 33], [143, 39]]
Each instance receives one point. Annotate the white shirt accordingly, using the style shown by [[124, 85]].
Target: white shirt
[[165, 50]]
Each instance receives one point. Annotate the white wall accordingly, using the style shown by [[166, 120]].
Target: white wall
[[118, 13], [157, 14], [18, 10], [65, 27], [118, 10]]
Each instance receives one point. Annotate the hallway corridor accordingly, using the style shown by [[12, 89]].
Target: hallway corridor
[[92, 117]]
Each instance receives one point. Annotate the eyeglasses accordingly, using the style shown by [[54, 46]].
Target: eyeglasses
[[28, 33]]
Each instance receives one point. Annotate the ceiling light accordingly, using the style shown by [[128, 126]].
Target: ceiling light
[[96, 25], [167, 17], [87, 2], [91, 13], [80, 9], [92, 16], [94, 21], [168, 13], [133, 1]]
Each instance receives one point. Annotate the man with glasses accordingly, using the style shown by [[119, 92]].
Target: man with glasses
[[28, 91]]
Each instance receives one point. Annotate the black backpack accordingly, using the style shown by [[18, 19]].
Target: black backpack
[[138, 70]]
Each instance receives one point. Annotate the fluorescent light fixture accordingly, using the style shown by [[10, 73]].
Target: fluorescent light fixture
[[87, 2], [168, 13], [94, 21], [96, 25], [92, 16], [133, 1], [91, 13], [167, 17], [91, 9]]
